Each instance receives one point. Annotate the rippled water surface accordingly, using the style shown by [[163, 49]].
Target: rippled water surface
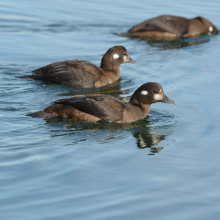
[[165, 166]]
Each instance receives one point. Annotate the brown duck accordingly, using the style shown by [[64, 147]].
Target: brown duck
[[106, 108], [171, 27], [84, 74]]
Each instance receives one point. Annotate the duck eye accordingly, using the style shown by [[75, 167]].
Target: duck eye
[[125, 53], [156, 91]]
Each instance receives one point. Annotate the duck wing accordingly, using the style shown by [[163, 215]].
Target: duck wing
[[77, 73], [105, 107], [164, 23]]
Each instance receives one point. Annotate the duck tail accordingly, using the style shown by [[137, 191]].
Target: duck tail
[[41, 114], [124, 35], [25, 77]]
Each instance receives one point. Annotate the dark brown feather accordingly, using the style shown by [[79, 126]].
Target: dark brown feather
[[105, 107], [75, 73], [164, 23]]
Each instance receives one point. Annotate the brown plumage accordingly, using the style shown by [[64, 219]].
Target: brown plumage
[[171, 27], [84, 74], [106, 108]]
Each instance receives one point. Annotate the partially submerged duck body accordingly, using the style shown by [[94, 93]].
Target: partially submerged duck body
[[172, 27], [84, 74], [106, 108]]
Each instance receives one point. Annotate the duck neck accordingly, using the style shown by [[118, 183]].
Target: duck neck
[[196, 27], [110, 72], [145, 108], [106, 65]]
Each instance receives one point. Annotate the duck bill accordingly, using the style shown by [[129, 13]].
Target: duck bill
[[167, 100], [131, 60], [215, 30]]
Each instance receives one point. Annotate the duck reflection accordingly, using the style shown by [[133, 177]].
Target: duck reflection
[[150, 140], [147, 137], [177, 44], [114, 89]]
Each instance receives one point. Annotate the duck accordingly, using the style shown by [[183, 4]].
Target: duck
[[171, 27], [106, 108], [84, 74]]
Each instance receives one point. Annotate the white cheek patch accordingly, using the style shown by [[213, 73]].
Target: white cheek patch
[[115, 56], [144, 92], [210, 28], [125, 58], [158, 97]]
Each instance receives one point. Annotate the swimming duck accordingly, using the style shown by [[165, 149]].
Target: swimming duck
[[171, 27], [84, 74], [106, 108]]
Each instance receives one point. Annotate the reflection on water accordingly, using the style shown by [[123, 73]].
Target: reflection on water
[[111, 89], [114, 89], [150, 137], [146, 139], [178, 43], [146, 134]]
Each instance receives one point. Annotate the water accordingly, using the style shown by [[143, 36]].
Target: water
[[161, 167]]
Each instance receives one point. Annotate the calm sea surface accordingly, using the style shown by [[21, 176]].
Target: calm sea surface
[[165, 166]]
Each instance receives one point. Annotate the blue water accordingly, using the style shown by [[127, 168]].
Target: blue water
[[162, 167]]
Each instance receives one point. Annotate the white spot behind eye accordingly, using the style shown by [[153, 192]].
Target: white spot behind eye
[[210, 28], [144, 92], [115, 56]]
